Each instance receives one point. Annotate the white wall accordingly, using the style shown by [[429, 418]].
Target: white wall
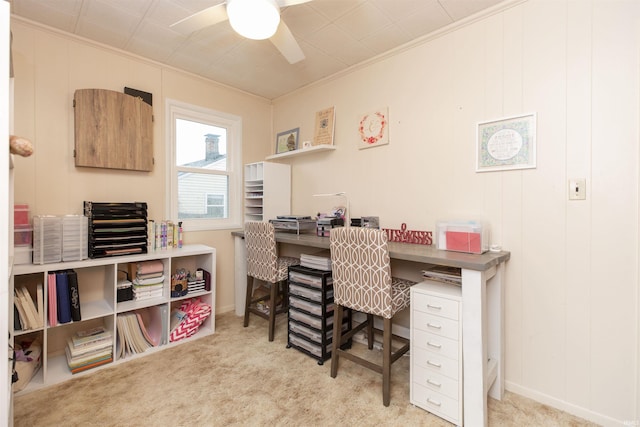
[[49, 67], [571, 295]]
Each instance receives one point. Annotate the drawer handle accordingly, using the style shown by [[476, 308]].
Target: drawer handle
[[433, 402], [431, 325], [434, 383], [434, 307], [437, 365], [434, 345]]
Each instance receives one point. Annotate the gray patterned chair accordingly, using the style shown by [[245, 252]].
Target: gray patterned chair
[[263, 264], [362, 282]]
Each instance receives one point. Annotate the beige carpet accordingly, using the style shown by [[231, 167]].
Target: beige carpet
[[237, 377]]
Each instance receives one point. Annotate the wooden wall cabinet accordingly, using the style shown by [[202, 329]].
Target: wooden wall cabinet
[[113, 130]]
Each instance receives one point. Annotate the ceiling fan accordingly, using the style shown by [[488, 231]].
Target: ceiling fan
[[254, 19]]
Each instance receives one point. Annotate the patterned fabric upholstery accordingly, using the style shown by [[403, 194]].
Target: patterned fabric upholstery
[[362, 277], [263, 262]]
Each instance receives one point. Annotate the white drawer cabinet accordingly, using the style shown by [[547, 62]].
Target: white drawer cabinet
[[436, 350]]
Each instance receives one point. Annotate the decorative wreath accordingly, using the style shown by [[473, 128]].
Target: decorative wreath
[[379, 136]]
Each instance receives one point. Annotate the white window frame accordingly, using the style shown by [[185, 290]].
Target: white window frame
[[206, 202], [233, 124]]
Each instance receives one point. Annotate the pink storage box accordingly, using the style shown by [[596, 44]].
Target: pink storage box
[[21, 215], [462, 236], [22, 235]]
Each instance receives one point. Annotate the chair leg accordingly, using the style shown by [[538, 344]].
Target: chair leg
[[247, 303], [370, 335], [337, 339], [386, 362], [272, 309]]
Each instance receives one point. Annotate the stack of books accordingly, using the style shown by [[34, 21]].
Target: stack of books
[[149, 280], [441, 273], [315, 262], [88, 349]]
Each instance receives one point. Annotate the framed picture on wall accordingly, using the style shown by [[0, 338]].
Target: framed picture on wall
[[287, 141], [507, 143], [373, 128]]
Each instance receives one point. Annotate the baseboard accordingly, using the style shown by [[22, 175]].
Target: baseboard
[[566, 406], [226, 309]]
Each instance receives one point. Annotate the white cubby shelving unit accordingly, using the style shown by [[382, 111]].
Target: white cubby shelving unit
[[97, 282]]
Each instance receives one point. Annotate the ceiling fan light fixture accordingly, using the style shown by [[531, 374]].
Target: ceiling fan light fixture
[[254, 19]]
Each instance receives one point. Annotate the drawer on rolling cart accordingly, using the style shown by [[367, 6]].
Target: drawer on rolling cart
[[436, 325], [435, 344], [435, 305], [435, 363], [435, 402]]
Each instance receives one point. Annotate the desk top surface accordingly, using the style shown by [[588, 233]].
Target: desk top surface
[[424, 254]]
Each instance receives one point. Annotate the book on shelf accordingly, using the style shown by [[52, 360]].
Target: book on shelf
[[74, 295], [28, 313], [92, 365], [17, 303], [133, 336], [89, 348], [63, 300], [40, 301], [52, 298]]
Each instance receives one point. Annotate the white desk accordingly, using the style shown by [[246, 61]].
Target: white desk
[[482, 311]]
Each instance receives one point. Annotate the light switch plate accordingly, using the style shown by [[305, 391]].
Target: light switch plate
[[577, 189]]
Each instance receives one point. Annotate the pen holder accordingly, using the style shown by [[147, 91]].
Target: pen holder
[[178, 287]]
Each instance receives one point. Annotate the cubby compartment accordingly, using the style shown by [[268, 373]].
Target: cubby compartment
[[34, 284], [96, 291], [267, 191]]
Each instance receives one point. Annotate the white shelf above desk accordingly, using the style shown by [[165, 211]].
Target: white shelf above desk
[[302, 151]]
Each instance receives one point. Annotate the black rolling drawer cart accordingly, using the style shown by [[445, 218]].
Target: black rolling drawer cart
[[311, 312]]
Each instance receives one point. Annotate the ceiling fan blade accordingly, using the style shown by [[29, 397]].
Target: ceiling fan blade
[[285, 3], [287, 45], [205, 18]]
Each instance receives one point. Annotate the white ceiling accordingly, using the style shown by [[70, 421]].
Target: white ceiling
[[333, 34]]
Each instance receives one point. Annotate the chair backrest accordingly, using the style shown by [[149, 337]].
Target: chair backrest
[[262, 251], [361, 270]]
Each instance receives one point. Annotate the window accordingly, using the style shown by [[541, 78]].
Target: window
[[205, 167], [215, 205]]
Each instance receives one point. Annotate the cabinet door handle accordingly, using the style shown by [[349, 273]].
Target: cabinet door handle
[[433, 402], [434, 345], [434, 307], [431, 325], [434, 383], [437, 365]]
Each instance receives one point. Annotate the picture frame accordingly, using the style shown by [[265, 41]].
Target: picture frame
[[287, 140], [324, 127], [373, 128], [507, 143]]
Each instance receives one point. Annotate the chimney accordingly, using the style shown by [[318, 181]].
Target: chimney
[[212, 150]]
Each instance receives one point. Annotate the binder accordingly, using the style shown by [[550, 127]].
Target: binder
[[74, 295], [64, 302]]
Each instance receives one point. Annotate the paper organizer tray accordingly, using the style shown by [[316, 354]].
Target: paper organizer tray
[[309, 307], [312, 321], [312, 294]]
